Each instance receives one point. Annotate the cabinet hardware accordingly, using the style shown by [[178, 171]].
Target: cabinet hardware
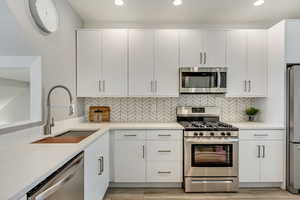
[[99, 86], [245, 86], [258, 152], [162, 172], [164, 151], [151, 83], [143, 151], [155, 86], [249, 86], [100, 166], [164, 135], [263, 151], [103, 85], [201, 57], [130, 135], [204, 57], [261, 135]]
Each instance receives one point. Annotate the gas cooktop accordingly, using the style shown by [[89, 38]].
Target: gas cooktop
[[207, 126]]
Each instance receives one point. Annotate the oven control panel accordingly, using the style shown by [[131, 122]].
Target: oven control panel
[[211, 133]]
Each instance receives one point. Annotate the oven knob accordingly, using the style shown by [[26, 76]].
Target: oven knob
[[212, 134], [195, 134], [228, 134], [223, 134], [201, 134]]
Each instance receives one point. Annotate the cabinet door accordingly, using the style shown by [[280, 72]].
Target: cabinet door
[[272, 162], [214, 48], [257, 63], [237, 63], [191, 47], [249, 163], [292, 41], [167, 63], [92, 169], [114, 62], [105, 168], [88, 63], [141, 63], [129, 161]]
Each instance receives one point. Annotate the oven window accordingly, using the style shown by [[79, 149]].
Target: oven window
[[212, 155], [199, 79]]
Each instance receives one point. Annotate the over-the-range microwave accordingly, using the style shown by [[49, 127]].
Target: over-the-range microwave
[[203, 80]]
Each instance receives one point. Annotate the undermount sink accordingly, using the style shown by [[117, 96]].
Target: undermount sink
[[73, 136]]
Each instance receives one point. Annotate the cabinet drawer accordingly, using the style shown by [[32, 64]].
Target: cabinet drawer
[[261, 135], [164, 135], [164, 171], [164, 150], [130, 135]]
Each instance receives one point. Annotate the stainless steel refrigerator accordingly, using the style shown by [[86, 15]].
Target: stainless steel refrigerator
[[293, 128]]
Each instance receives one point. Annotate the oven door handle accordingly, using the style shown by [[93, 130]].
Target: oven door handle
[[219, 79], [218, 141]]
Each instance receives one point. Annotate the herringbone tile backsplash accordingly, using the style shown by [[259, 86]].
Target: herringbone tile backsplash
[[164, 109]]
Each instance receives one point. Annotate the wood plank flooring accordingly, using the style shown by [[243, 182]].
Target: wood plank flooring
[[178, 194]]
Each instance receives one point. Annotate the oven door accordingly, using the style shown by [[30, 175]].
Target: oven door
[[202, 80], [210, 157]]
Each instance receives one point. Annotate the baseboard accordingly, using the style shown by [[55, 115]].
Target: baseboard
[[145, 185], [260, 185]]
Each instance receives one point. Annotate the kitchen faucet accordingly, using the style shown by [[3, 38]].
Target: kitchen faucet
[[50, 120]]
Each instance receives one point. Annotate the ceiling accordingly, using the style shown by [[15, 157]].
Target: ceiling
[[202, 12]]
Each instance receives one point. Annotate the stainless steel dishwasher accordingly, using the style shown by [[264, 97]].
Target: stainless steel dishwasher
[[67, 183]]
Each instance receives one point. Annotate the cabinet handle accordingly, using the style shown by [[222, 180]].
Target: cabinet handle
[[164, 172], [164, 151], [249, 86], [99, 86], [164, 135], [204, 57], [261, 135], [100, 166], [143, 151], [130, 135], [104, 88], [201, 57], [263, 151], [151, 84], [155, 86], [258, 152], [245, 86]]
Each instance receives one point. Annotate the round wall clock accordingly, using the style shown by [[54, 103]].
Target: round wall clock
[[44, 14]]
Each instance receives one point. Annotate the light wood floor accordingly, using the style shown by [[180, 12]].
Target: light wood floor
[[178, 194]]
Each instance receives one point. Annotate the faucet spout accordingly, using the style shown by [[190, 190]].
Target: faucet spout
[[49, 124]]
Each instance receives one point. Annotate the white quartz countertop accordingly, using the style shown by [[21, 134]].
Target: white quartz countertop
[[24, 165], [257, 126]]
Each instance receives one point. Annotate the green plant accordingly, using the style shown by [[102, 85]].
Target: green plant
[[251, 111]]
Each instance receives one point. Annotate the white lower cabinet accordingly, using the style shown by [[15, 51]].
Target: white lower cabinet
[[261, 156], [96, 168], [147, 156]]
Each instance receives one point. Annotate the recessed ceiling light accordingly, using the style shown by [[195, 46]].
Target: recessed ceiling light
[[259, 2], [177, 2], [119, 2]]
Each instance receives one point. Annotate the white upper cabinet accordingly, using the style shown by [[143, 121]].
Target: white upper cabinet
[[191, 48], [88, 63], [202, 48], [247, 63], [141, 63], [166, 63], [292, 41], [214, 48], [114, 63]]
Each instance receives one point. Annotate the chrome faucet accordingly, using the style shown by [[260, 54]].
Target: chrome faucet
[[50, 120]]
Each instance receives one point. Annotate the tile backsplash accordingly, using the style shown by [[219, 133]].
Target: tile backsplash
[[164, 109]]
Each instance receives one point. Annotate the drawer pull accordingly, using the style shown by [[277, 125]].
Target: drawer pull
[[162, 172], [164, 151], [164, 135], [130, 135], [261, 135]]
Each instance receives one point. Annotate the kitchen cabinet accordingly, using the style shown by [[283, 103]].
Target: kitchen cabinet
[[166, 73], [200, 48], [292, 41], [261, 156], [96, 170], [247, 63], [147, 156], [141, 63], [101, 60]]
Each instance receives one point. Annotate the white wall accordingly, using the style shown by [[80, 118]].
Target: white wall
[[20, 37]]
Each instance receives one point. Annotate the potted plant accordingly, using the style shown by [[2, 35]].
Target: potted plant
[[251, 112]]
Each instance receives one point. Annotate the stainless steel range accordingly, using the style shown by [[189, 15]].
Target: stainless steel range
[[210, 151]]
